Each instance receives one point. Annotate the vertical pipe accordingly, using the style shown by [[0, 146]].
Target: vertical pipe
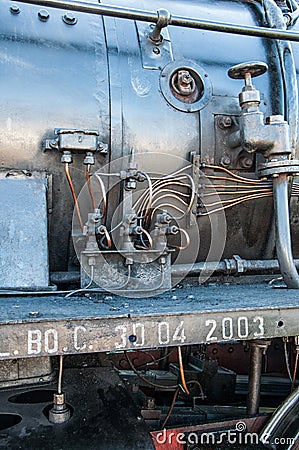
[[257, 349], [163, 365], [283, 234]]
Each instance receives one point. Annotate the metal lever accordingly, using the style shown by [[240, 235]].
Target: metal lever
[[249, 95], [164, 17]]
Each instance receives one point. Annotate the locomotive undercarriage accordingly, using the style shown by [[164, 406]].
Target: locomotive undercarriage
[[115, 398]]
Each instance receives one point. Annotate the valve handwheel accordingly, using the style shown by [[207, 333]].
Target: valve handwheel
[[246, 71], [241, 71]]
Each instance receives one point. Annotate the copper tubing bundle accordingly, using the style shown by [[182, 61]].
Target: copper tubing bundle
[[243, 190]]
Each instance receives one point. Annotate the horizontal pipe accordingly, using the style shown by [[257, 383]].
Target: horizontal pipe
[[150, 16], [225, 267], [229, 267], [65, 277]]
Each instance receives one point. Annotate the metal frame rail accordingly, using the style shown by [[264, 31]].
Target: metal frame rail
[[53, 325]]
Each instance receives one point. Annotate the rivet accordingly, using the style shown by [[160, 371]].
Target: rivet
[[43, 15], [14, 9], [69, 19]]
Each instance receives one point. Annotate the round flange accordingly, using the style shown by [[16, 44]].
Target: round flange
[[276, 167], [202, 82], [254, 68]]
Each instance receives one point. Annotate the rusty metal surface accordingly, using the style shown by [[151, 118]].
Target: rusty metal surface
[[53, 325], [104, 417]]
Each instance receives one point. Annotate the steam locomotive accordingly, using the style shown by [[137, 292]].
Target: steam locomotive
[[149, 224]]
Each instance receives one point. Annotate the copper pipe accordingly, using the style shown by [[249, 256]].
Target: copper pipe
[[90, 187], [182, 374], [171, 407], [149, 240], [180, 170], [235, 186], [59, 386], [69, 179], [232, 174], [184, 232], [191, 199], [193, 193], [286, 357], [193, 189], [102, 186], [295, 372], [156, 191], [245, 197], [235, 203], [148, 203], [169, 206], [168, 178], [150, 383], [161, 183], [257, 191], [215, 177], [103, 230], [169, 195]]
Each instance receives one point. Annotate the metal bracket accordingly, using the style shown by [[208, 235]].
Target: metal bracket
[[76, 140], [235, 265], [155, 45]]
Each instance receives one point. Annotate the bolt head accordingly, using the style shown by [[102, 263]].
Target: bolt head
[[225, 122], [43, 15], [69, 19], [225, 161], [246, 162], [14, 9]]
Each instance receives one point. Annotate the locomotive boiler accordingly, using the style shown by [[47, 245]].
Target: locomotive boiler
[[149, 223]]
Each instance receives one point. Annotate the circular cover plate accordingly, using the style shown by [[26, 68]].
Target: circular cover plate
[[198, 73]]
